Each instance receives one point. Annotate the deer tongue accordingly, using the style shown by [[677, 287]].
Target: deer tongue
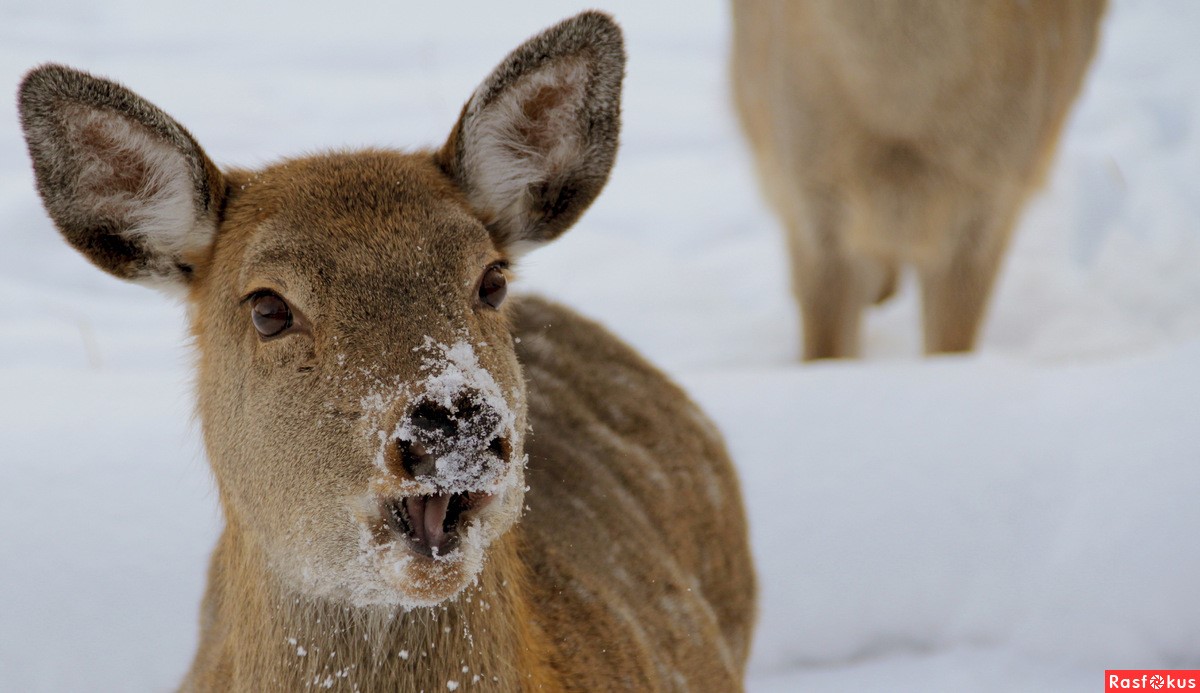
[[428, 516]]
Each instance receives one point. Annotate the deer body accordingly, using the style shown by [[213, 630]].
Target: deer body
[[425, 487], [903, 133], [616, 594]]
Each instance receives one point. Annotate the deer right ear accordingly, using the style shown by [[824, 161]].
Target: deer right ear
[[126, 185], [537, 140]]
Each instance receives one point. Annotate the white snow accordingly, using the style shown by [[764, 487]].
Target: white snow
[[1017, 519]]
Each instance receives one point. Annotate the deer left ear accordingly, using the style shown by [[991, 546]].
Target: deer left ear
[[536, 142]]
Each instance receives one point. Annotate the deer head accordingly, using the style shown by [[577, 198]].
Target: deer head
[[361, 401]]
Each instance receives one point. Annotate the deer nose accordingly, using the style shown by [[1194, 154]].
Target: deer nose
[[416, 460], [466, 437], [432, 417]]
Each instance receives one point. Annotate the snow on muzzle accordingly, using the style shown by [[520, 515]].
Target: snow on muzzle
[[454, 454], [451, 451]]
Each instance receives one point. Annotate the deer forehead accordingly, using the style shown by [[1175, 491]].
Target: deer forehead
[[366, 227]]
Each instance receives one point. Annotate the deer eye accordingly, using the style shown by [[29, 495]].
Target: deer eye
[[493, 287], [270, 314]]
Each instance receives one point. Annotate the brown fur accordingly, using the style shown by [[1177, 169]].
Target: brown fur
[[619, 562], [891, 133]]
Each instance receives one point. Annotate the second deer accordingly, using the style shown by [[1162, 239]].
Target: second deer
[[895, 133]]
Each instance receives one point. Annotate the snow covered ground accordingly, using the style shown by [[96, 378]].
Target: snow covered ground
[[1018, 519]]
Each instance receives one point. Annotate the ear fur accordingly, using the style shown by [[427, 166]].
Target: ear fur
[[536, 142], [126, 185]]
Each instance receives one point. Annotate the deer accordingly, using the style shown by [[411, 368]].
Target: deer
[[424, 486], [903, 134]]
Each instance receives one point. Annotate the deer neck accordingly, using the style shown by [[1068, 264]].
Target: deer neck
[[263, 634]]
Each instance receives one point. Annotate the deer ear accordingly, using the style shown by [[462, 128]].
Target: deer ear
[[537, 140], [126, 185]]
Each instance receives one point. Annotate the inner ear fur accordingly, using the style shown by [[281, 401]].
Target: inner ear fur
[[125, 183], [536, 142]]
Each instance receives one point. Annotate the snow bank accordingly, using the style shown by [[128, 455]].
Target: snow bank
[[972, 501]]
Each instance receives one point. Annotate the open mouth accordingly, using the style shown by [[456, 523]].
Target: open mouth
[[432, 522]]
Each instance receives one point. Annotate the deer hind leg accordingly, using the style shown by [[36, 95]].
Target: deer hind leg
[[832, 286], [955, 287]]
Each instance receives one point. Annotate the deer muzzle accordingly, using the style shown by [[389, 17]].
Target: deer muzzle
[[453, 455]]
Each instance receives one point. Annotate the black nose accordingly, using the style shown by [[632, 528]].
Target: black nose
[[431, 417], [468, 427]]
